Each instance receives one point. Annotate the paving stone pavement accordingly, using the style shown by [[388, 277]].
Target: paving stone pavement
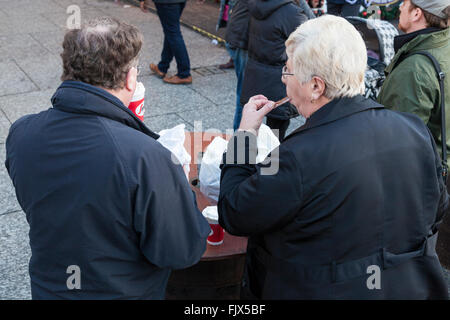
[[31, 32]]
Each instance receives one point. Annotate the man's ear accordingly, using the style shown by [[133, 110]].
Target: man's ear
[[130, 82], [418, 14]]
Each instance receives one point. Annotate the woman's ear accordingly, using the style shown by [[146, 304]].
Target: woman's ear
[[318, 88]]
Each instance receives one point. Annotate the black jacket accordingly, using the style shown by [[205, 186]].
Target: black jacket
[[271, 23], [358, 186], [237, 27], [100, 193]]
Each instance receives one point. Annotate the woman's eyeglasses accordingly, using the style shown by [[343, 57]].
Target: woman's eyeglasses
[[285, 72]]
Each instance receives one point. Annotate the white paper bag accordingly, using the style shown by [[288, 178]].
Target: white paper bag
[[173, 140], [209, 175]]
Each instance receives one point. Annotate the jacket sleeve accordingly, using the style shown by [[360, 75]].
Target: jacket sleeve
[[293, 19], [172, 230], [411, 88], [255, 198]]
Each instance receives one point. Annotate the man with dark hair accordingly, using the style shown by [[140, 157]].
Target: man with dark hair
[[110, 213], [412, 84]]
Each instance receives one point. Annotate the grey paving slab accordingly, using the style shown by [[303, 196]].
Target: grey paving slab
[[202, 52], [16, 106], [15, 254], [45, 71], [24, 24], [294, 124], [13, 80], [50, 40], [22, 8], [162, 98], [219, 88], [83, 3], [20, 46], [218, 117], [4, 128], [158, 123], [8, 201], [86, 13], [132, 14]]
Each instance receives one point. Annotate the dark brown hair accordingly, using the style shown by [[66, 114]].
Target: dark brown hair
[[101, 53], [431, 19]]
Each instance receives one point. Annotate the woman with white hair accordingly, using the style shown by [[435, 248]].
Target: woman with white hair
[[350, 206]]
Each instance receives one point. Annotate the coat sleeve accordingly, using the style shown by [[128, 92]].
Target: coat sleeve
[[172, 230], [411, 88], [293, 19], [256, 198]]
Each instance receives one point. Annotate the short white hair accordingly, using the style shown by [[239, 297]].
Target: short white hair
[[330, 48]]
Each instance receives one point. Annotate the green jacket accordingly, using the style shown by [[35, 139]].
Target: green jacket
[[412, 85]]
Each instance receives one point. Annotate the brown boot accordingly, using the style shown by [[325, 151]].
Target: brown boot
[[178, 80], [156, 71], [228, 65]]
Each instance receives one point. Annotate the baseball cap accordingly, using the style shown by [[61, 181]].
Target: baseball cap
[[435, 7]]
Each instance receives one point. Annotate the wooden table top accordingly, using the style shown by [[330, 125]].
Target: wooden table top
[[195, 143]]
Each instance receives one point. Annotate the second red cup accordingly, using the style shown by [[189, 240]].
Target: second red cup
[[217, 233]]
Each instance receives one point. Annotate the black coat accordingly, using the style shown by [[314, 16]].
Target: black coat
[[237, 28], [101, 193], [271, 23], [358, 186]]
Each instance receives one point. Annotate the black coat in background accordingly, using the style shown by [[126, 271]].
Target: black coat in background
[[237, 28], [271, 23], [100, 193], [358, 187]]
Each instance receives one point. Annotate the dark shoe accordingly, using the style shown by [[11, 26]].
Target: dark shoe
[[228, 65], [178, 80], [155, 70]]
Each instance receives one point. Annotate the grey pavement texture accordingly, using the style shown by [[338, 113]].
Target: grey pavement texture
[[31, 33]]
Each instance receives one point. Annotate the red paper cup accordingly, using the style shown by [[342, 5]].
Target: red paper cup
[[216, 235], [137, 102]]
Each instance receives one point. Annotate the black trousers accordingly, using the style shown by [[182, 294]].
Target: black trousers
[[344, 10], [280, 127]]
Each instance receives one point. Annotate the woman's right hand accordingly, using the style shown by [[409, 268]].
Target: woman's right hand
[[254, 112]]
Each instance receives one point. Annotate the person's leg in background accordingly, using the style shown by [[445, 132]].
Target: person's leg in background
[[169, 15], [240, 58], [350, 10], [280, 126], [334, 9], [166, 56]]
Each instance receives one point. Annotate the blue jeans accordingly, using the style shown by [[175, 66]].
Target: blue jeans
[[240, 58], [169, 14]]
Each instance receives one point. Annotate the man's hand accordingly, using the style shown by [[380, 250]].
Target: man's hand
[[254, 112], [143, 6]]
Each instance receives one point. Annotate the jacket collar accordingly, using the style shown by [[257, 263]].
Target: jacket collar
[[401, 40], [82, 98], [420, 41], [335, 110]]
